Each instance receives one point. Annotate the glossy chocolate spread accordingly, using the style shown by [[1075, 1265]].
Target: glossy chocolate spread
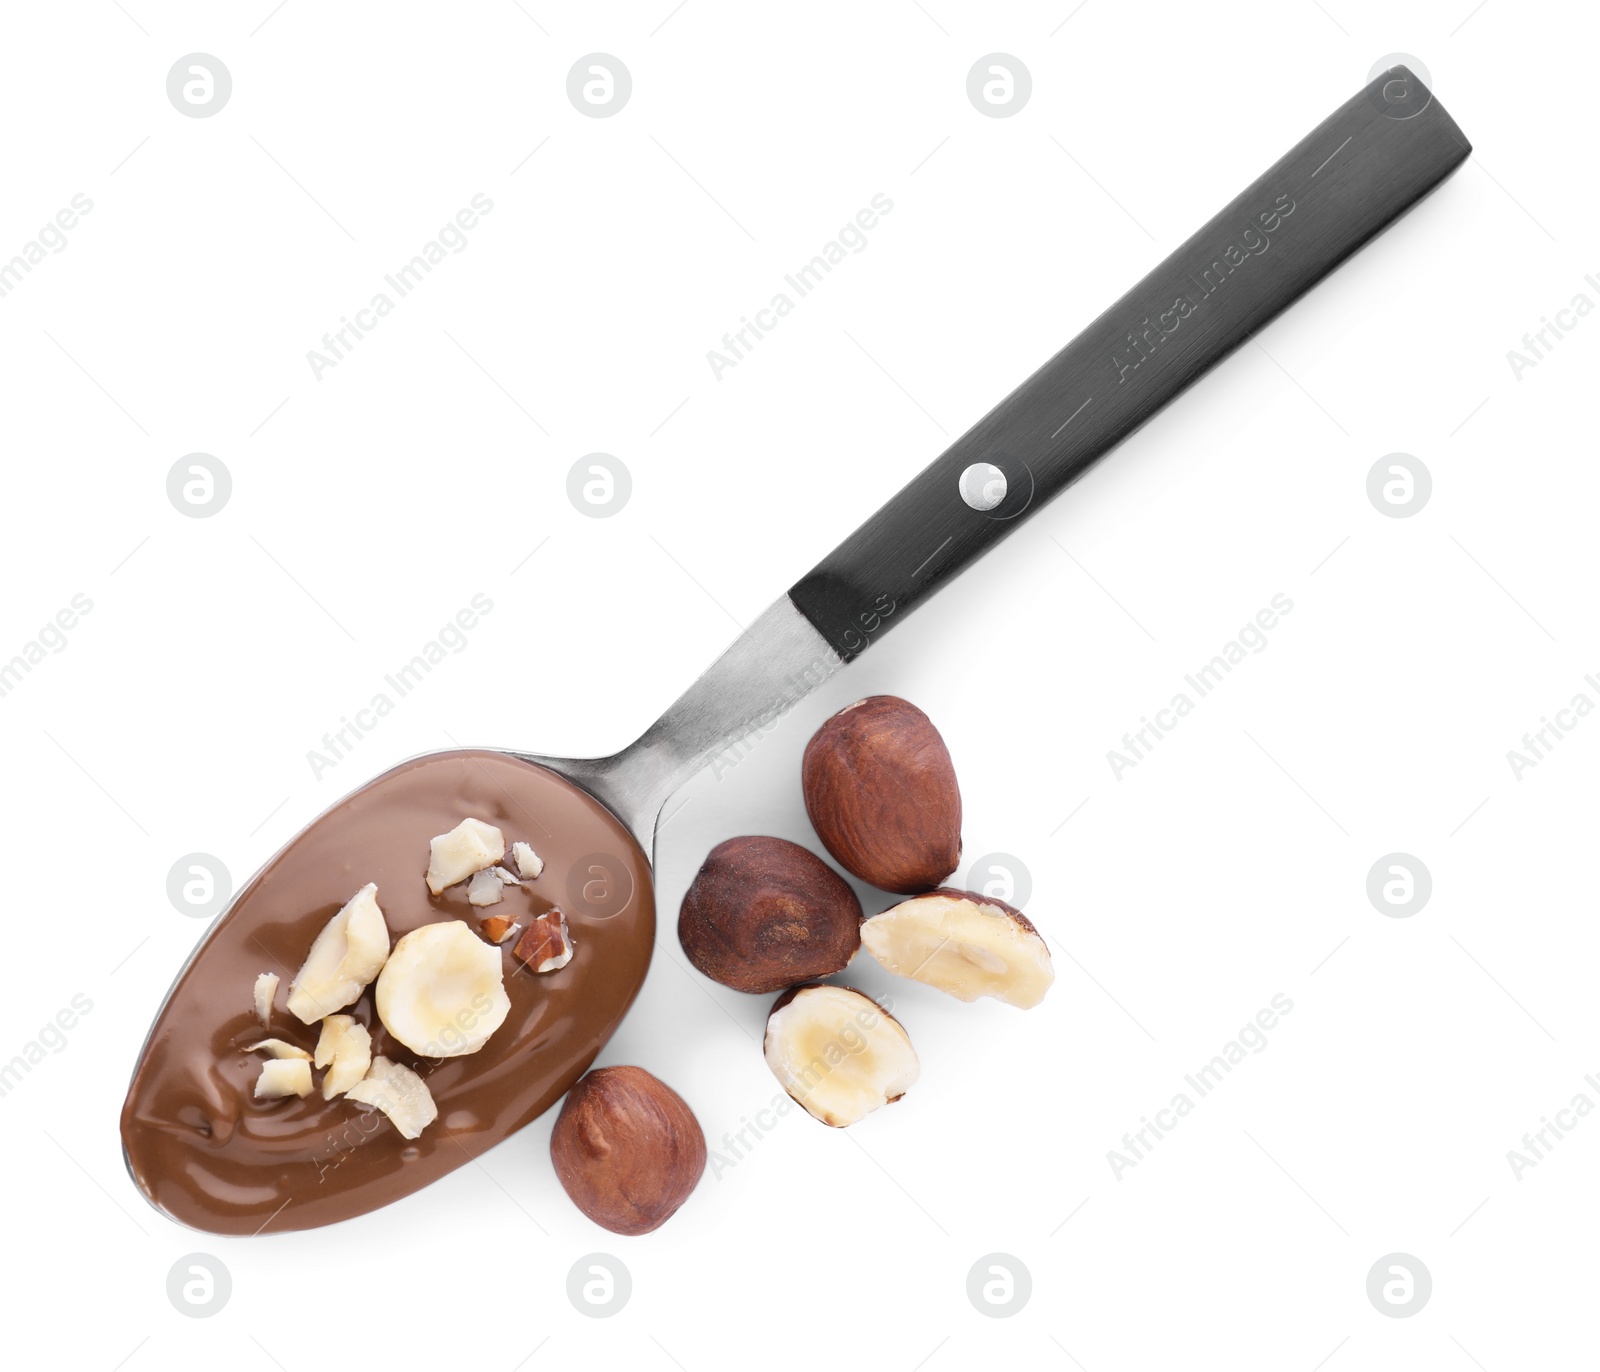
[[208, 1154]]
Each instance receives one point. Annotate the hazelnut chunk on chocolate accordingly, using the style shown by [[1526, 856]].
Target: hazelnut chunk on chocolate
[[546, 946], [284, 1077], [529, 863], [345, 1049], [345, 956], [277, 1048], [468, 848], [400, 1093], [498, 928], [485, 888], [266, 988]]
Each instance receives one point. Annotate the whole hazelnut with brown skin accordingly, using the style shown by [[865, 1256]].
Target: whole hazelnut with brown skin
[[627, 1149], [881, 792], [763, 914]]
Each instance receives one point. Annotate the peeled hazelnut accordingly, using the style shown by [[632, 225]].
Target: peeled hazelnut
[[277, 1048], [627, 1149], [838, 1052], [400, 1093], [284, 1077], [882, 795], [529, 863], [967, 944], [763, 914], [266, 988], [485, 888]]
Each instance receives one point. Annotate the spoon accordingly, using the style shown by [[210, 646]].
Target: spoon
[[197, 1145]]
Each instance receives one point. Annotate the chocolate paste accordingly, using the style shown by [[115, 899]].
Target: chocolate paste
[[208, 1154]]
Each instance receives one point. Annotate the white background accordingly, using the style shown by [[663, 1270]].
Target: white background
[[1230, 866]]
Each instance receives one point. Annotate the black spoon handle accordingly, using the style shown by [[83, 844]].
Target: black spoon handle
[[1352, 176]]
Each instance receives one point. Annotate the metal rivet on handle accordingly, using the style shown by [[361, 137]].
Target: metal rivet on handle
[[983, 486]]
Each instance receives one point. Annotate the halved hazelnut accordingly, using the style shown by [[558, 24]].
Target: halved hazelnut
[[627, 1149], [442, 993], [882, 795], [763, 914], [838, 1052], [967, 944]]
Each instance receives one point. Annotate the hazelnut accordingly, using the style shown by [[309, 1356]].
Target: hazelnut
[[498, 928], [838, 1052], [764, 913], [627, 1149], [881, 793], [966, 944], [547, 945]]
